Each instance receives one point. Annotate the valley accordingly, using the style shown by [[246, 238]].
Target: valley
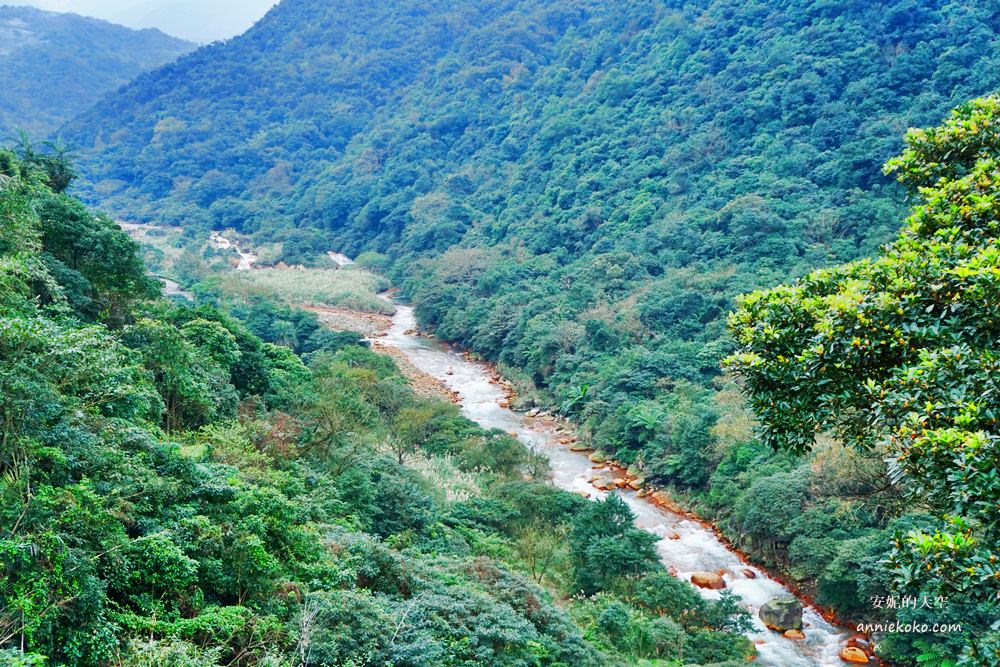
[[685, 546], [520, 333]]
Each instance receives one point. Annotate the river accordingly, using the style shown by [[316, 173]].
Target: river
[[220, 242], [173, 288], [698, 549]]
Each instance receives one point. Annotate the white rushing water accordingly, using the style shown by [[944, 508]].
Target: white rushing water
[[220, 242], [340, 259], [698, 548]]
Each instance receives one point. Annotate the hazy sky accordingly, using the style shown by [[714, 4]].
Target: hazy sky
[[196, 20]]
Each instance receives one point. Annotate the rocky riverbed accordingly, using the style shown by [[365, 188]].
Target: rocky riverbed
[[690, 549]]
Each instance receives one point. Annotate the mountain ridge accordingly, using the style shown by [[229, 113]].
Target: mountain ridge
[[55, 65]]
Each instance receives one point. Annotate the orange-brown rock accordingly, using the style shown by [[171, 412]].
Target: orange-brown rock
[[709, 580], [854, 655], [672, 535], [602, 482], [662, 497], [748, 573], [794, 634]]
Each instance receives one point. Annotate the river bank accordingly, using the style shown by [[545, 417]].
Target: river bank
[[688, 546]]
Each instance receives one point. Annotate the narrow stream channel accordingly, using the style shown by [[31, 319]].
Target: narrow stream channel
[[698, 548]]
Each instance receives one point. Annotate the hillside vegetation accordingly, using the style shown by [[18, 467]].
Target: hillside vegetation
[[55, 66], [580, 191], [180, 490], [899, 355]]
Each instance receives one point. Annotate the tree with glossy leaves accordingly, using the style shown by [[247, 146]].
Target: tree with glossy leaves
[[900, 353]]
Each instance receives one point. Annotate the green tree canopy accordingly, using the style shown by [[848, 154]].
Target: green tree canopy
[[900, 353]]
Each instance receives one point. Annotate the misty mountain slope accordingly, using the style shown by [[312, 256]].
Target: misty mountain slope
[[55, 66], [215, 133]]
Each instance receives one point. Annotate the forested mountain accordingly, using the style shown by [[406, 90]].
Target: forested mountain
[[343, 116], [55, 66], [615, 172], [580, 190]]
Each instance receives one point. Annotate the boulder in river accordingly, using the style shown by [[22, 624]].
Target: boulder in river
[[597, 457], [782, 614], [861, 642], [709, 580], [662, 497], [603, 482], [579, 447], [854, 655], [794, 634], [672, 535], [748, 573], [637, 483]]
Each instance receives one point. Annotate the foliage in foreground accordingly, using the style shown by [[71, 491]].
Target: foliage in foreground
[[900, 354], [178, 492]]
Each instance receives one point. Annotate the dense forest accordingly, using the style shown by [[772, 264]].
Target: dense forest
[[580, 191], [55, 66], [179, 491], [898, 355]]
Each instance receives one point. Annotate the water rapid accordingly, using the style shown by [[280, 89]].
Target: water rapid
[[698, 548]]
